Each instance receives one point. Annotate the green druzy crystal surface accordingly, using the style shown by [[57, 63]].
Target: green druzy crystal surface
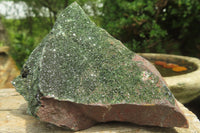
[[80, 62]]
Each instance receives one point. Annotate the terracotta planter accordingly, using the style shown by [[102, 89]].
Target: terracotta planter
[[185, 87]]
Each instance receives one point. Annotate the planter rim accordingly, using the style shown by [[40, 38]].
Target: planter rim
[[193, 60], [185, 87]]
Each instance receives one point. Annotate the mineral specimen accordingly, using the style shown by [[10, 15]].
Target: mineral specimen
[[79, 75]]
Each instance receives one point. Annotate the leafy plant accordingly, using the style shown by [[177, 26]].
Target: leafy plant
[[21, 40], [154, 26], [1, 44], [22, 46], [26, 33]]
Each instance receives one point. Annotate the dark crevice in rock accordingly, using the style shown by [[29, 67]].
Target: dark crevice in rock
[[25, 71]]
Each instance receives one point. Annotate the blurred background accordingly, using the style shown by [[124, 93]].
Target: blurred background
[[158, 26]]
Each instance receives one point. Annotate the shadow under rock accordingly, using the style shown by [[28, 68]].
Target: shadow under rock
[[128, 127], [194, 106]]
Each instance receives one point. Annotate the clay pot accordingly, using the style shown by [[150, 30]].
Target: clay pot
[[185, 87]]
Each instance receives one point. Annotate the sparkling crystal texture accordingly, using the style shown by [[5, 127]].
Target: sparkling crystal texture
[[81, 63]]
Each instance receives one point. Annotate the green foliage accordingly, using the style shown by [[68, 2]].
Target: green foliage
[[23, 46], [182, 19], [154, 26], [52, 8], [1, 44], [25, 34], [143, 26], [22, 39]]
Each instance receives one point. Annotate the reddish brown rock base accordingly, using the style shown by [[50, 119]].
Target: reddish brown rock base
[[80, 116]]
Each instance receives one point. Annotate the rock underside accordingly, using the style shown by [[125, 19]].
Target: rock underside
[[79, 75]]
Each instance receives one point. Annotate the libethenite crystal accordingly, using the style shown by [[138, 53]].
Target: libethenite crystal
[[80, 75]]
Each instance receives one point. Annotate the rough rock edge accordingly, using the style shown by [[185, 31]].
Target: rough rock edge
[[82, 116]]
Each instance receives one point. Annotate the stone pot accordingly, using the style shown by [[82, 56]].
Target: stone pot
[[185, 87]]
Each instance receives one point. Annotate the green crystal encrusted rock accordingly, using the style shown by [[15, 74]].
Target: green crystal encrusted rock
[[79, 75], [80, 62]]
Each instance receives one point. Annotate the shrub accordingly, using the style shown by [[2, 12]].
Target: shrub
[[22, 45], [26, 33], [154, 26], [21, 39]]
